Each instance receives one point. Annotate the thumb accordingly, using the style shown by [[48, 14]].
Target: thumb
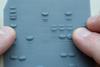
[[88, 42], [7, 37]]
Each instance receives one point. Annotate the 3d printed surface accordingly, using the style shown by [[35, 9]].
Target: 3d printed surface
[[44, 29]]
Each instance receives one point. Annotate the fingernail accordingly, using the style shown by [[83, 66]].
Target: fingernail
[[82, 32], [93, 19]]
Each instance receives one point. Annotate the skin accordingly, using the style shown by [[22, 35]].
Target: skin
[[7, 37], [86, 39]]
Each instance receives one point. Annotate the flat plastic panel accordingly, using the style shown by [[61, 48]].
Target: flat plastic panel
[[44, 29]]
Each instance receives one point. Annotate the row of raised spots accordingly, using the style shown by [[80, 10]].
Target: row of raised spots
[[67, 55], [61, 27], [53, 27], [47, 14], [13, 15], [69, 65], [62, 36], [69, 13], [68, 36], [21, 58]]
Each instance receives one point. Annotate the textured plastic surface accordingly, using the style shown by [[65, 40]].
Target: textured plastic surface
[[44, 29]]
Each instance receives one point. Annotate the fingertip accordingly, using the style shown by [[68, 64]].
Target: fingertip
[[93, 23], [80, 33], [10, 30], [7, 37], [81, 39]]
